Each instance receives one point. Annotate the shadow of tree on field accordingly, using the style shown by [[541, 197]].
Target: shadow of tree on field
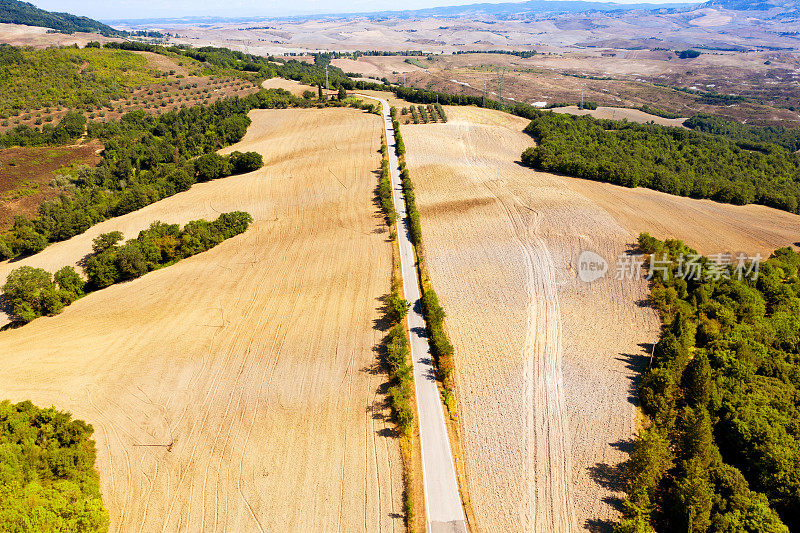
[[637, 363], [8, 309], [382, 323], [596, 525], [611, 477]]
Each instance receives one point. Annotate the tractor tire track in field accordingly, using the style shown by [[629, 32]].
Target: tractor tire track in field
[[547, 450]]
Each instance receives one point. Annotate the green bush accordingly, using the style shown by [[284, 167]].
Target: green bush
[[48, 480], [212, 166], [245, 162], [32, 292], [158, 246]]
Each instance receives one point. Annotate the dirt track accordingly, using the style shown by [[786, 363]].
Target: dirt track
[[254, 360], [545, 363]]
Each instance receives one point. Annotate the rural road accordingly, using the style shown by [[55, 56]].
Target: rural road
[[442, 499]]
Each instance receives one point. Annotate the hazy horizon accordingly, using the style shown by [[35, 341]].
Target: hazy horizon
[[141, 9]]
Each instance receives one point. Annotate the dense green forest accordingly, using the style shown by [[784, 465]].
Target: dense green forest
[[672, 160], [67, 77], [34, 292], [14, 12], [47, 476], [722, 450], [146, 158], [745, 134]]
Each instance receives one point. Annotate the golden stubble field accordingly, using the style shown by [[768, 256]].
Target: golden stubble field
[[546, 364], [237, 390]]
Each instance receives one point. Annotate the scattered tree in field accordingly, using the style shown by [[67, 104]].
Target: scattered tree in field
[[32, 292]]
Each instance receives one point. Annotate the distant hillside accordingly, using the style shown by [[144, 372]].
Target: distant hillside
[[757, 5], [530, 7], [14, 12], [500, 11]]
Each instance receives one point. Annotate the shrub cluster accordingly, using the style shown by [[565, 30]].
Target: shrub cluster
[[412, 214], [441, 348], [47, 477], [69, 128], [212, 166], [421, 96], [721, 453], [402, 376], [440, 344], [157, 246], [34, 292]]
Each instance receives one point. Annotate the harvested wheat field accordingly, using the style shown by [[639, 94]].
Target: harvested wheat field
[[621, 113], [294, 87], [379, 66], [546, 364], [237, 390]]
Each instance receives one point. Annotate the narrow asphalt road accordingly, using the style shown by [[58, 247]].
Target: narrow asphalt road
[[442, 499]]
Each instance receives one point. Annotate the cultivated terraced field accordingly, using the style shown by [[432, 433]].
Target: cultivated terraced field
[[545, 363], [237, 390]]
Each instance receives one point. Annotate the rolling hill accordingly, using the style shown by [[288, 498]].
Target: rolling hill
[[14, 12]]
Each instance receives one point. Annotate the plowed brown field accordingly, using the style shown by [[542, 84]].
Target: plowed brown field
[[237, 390], [546, 364]]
